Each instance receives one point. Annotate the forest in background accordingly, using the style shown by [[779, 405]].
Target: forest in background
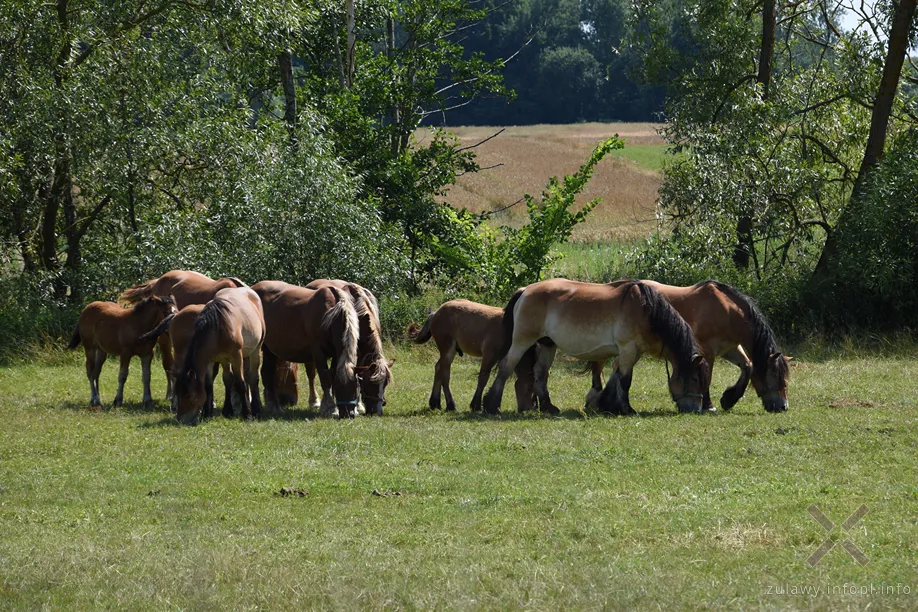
[[277, 140]]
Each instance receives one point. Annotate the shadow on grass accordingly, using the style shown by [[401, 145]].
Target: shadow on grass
[[128, 407]]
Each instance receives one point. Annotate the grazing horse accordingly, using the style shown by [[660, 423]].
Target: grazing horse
[[312, 326], [464, 327], [285, 376], [374, 372], [186, 287], [229, 330], [727, 324], [106, 328], [594, 322]]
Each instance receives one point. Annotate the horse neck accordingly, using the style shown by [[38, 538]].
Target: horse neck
[[201, 348]]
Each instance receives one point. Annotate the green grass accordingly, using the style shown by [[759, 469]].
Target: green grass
[[125, 510], [594, 262], [646, 156]]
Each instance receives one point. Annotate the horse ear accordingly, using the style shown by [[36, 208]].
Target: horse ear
[[776, 356], [390, 363]]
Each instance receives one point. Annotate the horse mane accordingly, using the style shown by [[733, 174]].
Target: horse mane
[[764, 342], [208, 320], [665, 322], [381, 371], [138, 306], [348, 314], [133, 295]]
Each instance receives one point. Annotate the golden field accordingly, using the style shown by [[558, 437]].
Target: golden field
[[522, 159]]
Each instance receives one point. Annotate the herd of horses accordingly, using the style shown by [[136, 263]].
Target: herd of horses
[[259, 335]]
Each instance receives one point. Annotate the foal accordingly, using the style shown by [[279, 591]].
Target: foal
[[106, 328], [462, 327]]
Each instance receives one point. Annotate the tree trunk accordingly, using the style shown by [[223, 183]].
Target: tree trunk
[[395, 119], [879, 122], [744, 244], [351, 42], [285, 62]]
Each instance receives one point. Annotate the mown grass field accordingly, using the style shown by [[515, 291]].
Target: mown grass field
[[123, 509]]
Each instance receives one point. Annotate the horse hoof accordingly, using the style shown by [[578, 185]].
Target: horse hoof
[[551, 409], [451, 407]]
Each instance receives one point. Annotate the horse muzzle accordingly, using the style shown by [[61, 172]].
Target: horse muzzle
[[777, 404]]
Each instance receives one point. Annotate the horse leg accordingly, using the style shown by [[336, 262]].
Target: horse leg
[[269, 380], [327, 408], [706, 404], [240, 389], [165, 347], [208, 409], [252, 362], [614, 396], [487, 364], [524, 386], [445, 370], [542, 366], [495, 394], [146, 362], [122, 378], [93, 367], [311, 377], [733, 394], [592, 395]]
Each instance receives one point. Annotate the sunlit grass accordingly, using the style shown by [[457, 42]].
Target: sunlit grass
[[124, 509]]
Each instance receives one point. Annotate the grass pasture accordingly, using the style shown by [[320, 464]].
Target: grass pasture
[[123, 509]]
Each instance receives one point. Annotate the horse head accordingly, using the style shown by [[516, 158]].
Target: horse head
[[374, 377], [770, 382], [688, 383], [189, 395]]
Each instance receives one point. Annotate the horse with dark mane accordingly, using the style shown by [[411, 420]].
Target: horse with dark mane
[[106, 328], [594, 322], [727, 324], [374, 371], [312, 326], [229, 331]]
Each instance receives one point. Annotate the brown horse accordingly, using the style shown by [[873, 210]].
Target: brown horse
[[186, 287], [464, 327], [727, 324], [312, 326], [106, 328], [594, 322], [229, 330], [373, 370]]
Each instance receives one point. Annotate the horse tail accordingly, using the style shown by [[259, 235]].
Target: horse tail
[[135, 294], [75, 338], [507, 323], [344, 310], [420, 334], [157, 331]]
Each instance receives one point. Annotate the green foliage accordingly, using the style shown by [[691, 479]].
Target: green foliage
[[876, 280], [517, 257]]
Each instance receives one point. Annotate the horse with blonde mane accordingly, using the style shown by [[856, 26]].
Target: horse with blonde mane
[[374, 371], [313, 326]]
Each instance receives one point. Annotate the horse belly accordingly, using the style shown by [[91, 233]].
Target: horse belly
[[589, 343]]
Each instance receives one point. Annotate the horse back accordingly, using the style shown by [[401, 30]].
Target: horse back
[[476, 328], [243, 319]]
